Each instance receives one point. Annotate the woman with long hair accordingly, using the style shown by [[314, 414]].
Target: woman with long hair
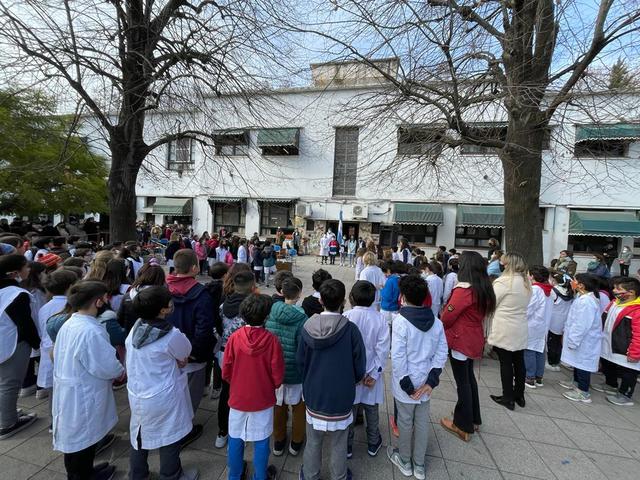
[[508, 331], [149, 275], [471, 301]]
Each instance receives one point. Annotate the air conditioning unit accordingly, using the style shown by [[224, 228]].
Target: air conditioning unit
[[359, 212], [303, 210]]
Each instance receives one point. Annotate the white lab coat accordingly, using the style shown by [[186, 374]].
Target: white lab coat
[[607, 347], [436, 288], [538, 319], [415, 353], [582, 340], [374, 274], [375, 334], [45, 367], [324, 246], [84, 409], [450, 281], [559, 312], [161, 409], [8, 329], [242, 254]]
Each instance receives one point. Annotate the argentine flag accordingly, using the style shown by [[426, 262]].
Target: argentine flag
[[339, 238]]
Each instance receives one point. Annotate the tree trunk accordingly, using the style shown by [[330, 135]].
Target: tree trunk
[[522, 166]]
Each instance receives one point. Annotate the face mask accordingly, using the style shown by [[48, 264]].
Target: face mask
[[622, 296], [18, 278]]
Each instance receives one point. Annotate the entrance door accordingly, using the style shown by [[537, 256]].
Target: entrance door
[[348, 229]]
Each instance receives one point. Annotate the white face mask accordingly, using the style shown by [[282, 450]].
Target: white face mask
[[18, 278]]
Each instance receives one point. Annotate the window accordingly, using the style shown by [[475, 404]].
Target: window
[[601, 148], [149, 201], [234, 143], [345, 162], [589, 243], [311, 225], [273, 216], [419, 140], [180, 154], [498, 131], [230, 215], [476, 236], [423, 234]]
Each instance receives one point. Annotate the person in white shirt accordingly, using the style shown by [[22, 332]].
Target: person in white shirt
[[242, 252], [450, 280], [373, 273], [161, 410], [430, 272], [83, 373], [375, 335], [538, 320], [418, 355]]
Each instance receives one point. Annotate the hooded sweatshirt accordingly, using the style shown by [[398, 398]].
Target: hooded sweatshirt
[[193, 315], [254, 368], [231, 319], [285, 322], [332, 358]]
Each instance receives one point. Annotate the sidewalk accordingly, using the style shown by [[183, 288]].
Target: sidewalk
[[552, 438]]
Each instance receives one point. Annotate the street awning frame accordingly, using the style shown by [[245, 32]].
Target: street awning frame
[[600, 132], [278, 137], [277, 200], [417, 214], [173, 206], [480, 216], [602, 223]]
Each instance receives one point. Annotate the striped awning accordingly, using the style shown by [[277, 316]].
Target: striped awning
[[278, 137], [489, 216], [602, 223], [617, 131], [172, 206], [277, 200], [417, 214], [226, 199]]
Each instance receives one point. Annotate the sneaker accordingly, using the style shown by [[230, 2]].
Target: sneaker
[[294, 448], [50, 428], [394, 456], [105, 443], [27, 391], [568, 385], [578, 396], [349, 452], [539, 382], [419, 472], [552, 368], [190, 474], [374, 448], [272, 472], [278, 448], [42, 393], [105, 473], [620, 399], [530, 383], [23, 422], [192, 436], [604, 388], [221, 441], [394, 427]]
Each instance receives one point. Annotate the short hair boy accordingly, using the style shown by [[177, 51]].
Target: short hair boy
[[375, 334], [332, 358], [311, 304], [280, 277], [254, 368], [418, 354], [153, 340]]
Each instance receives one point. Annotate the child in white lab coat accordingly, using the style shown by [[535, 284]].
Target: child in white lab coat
[[375, 334], [84, 409], [161, 411], [538, 319]]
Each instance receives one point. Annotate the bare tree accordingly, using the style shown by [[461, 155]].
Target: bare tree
[[517, 61], [125, 59]]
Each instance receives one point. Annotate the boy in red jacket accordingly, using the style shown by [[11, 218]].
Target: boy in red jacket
[[254, 368]]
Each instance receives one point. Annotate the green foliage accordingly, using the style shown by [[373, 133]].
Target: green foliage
[[619, 76], [45, 167]]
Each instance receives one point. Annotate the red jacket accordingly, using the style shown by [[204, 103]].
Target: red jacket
[[462, 321], [254, 367], [625, 335]]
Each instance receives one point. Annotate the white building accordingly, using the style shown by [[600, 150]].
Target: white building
[[305, 155]]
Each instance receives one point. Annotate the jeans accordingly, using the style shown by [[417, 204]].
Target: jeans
[[298, 422], [12, 372], [624, 270], [170, 466], [628, 377], [582, 378], [467, 411], [512, 373], [235, 459], [413, 423], [534, 364], [197, 380], [372, 419], [223, 409], [351, 258], [312, 457], [332, 259], [79, 465], [554, 348]]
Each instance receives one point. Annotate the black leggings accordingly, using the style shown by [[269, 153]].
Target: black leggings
[[467, 411], [512, 373], [79, 465]]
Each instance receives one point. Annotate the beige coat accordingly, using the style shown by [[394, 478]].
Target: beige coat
[[509, 323]]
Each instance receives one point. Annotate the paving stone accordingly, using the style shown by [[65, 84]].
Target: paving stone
[[616, 468], [589, 437], [474, 452], [15, 469], [559, 407], [627, 439], [542, 429], [567, 463], [516, 456], [496, 422], [603, 414], [460, 471]]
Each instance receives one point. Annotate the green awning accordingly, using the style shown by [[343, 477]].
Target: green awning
[[604, 224], [618, 131], [278, 137], [491, 216], [172, 206], [231, 137], [417, 214]]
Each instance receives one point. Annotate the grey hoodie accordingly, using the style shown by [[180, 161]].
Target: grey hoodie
[[146, 332]]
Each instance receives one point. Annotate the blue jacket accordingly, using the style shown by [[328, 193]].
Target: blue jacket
[[390, 294], [193, 316], [332, 358]]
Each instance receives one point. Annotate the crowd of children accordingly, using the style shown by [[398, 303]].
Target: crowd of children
[[99, 321]]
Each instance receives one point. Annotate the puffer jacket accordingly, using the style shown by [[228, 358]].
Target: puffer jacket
[[285, 322]]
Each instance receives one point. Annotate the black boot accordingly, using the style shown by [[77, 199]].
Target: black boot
[[505, 403]]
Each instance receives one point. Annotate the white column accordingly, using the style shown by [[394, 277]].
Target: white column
[[159, 219], [252, 218], [446, 234], [202, 218], [140, 204], [559, 233]]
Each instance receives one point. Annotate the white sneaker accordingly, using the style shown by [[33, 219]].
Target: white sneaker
[[221, 441], [552, 368], [394, 456], [577, 396], [419, 472], [620, 400], [568, 385]]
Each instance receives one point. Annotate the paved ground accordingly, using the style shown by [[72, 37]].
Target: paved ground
[[550, 438]]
